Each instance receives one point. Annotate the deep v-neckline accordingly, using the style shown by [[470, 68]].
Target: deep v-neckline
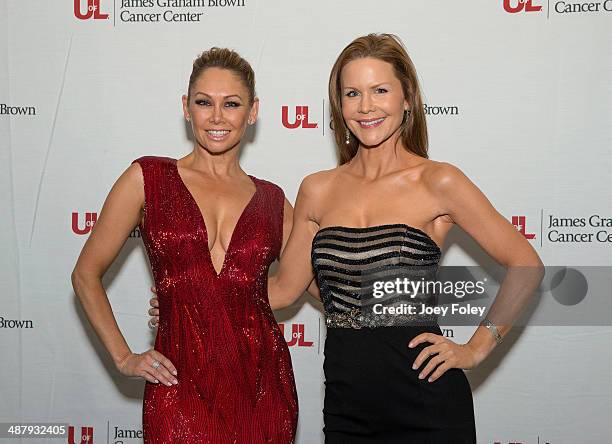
[[202, 221]]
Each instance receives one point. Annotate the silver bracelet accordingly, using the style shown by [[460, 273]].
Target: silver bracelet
[[493, 329]]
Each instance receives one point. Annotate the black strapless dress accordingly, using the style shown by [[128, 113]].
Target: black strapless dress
[[372, 394]]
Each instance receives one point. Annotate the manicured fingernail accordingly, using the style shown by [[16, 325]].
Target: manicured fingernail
[[175, 381], [429, 379], [156, 381], [421, 376], [411, 345], [414, 367], [174, 372]]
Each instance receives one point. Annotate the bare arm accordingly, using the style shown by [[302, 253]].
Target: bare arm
[[471, 210], [313, 289], [120, 213], [295, 272]]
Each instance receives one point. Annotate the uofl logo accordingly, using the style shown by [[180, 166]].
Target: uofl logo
[[92, 10], [297, 336], [90, 220], [514, 6], [301, 118], [519, 223], [85, 438]]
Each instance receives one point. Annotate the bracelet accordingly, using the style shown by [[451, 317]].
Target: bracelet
[[493, 329]]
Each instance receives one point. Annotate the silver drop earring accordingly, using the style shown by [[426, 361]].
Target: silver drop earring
[[348, 136]]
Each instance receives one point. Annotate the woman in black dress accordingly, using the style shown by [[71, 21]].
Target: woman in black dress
[[384, 212]]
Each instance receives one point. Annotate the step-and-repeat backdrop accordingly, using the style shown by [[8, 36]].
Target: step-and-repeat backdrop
[[517, 94]]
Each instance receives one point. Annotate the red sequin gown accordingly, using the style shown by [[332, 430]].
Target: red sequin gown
[[235, 377]]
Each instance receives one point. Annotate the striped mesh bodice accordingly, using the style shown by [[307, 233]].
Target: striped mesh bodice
[[347, 261]]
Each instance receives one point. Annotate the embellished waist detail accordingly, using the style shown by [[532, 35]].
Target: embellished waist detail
[[356, 318]]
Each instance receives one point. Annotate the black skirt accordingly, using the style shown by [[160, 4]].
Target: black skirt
[[372, 394]]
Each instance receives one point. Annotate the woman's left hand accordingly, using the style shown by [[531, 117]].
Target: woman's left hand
[[448, 354]]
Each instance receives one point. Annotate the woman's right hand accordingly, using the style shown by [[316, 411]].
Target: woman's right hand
[[154, 311], [150, 365]]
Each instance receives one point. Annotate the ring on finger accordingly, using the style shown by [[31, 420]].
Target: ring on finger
[[156, 364], [151, 324]]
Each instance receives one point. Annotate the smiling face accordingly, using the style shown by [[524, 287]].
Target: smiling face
[[219, 108], [373, 102]]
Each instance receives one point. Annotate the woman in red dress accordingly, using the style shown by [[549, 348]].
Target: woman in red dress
[[220, 371]]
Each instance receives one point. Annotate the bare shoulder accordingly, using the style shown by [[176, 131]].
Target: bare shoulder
[[129, 185], [443, 176], [132, 179], [317, 183], [134, 173]]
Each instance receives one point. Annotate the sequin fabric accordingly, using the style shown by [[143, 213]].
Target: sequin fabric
[[347, 260], [236, 382]]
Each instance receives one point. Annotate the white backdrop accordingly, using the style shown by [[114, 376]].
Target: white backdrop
[[519, 98]]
